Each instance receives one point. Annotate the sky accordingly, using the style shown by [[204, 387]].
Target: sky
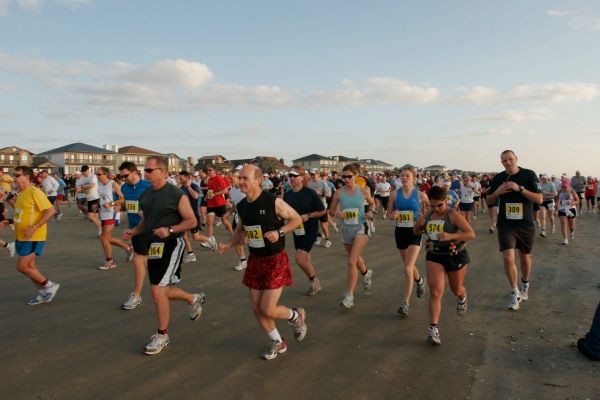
[[430, 82]]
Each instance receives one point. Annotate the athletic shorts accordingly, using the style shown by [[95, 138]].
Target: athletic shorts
[[268, 272], [198, 223], [592, 200], [548, 204], [305, 242], [562, 213], [218, 211], [476, 198], [581, 195], [519, 238], [93, 206], [451, 263], [81, 200], [405, 237], [164, 264], [323, 218], [52, 199], [466, 206], [110, 221], [384, 202], [203, 202], [350, 232], [536, 207], [377, 196], [24, 248]]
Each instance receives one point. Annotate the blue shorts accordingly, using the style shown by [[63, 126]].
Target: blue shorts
[[26, 248]]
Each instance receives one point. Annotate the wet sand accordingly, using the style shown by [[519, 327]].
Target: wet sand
[[82, 346]]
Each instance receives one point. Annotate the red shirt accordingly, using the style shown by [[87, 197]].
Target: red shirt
[[424, 187], [591, 188], [217, 184]]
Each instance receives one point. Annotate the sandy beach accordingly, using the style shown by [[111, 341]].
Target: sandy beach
[[82, 346]]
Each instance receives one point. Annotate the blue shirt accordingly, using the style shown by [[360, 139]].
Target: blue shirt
[[132, 205]]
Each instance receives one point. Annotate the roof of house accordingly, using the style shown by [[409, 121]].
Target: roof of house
[[9, 149], [312, 157], [136, 150], [40, 161], [78, 147]]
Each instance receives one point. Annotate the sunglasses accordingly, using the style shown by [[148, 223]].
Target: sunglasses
[[347, 176], [149, 170], [99, 174], [293, 175], [124, 176]]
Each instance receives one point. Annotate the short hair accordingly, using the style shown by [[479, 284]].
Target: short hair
[[508, 151], [352, 168], [213, 167], [85, 168], [185, 173], [437, 193], [104, 170], [128, 165], [25, 170], [300, 169], [412, 170], [160, 161]]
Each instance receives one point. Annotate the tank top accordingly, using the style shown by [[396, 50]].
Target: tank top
[[408, 208], [106, 196], [352, 206], [257, 218], [435, 226], [565, 200]]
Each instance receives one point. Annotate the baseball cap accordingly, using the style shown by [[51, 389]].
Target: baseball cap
[[77, 172], [293, 172], [196, 173], [314, 170], [265, 174]]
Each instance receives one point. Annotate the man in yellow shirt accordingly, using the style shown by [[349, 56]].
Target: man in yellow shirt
[[32, 211]]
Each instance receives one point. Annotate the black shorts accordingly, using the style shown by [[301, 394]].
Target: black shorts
[[536, 207], [450, 263], [218, 211], [562, 213], [592, 200], [198, 223], [548, 204], [405, 237], [164, 265], [516, 238], [580, 194], [384, 202], [305, 242], [466, 206], [323, 218], [52, 199], [203, 202], [93, 206], [82, 201], [377, 196], [476, 198]]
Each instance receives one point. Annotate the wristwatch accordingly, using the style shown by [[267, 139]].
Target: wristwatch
[[171, 229], [281, 233], [521, 188]]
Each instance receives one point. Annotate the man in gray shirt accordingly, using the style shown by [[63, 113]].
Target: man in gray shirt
[[578, 184]]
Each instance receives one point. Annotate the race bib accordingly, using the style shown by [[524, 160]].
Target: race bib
[[299, 231], [18, 214], [434, 227], [350, 216], [405, 219], [156, 250], [132, 206], [514, 210], [254, 235]]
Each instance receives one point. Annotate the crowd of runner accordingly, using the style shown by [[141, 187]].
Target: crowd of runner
[[165, 213]]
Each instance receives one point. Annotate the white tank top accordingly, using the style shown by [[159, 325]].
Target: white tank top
[[106, 196]]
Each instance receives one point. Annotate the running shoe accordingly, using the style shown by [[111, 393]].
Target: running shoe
[[318, 241], [45, 295], [189, 257], [314, 288], [572, 235], [274, 349], [433, 335], [218, 223], [132, 302], [196, 306], [99, 232], [524, 289], [403, 309], [420, 287], [384, 216], [157, 343], [371, 226], [327, 243], [299, 325], [461, 306], [241, 266], [206, 245], [565, 242], [491, 229], [366, 279], [553, 230], [129, 253], [10, 247], [212, 243], [543, 233], [513, 302], [59, 217], [108, 265], [335, 227], [348, 300]]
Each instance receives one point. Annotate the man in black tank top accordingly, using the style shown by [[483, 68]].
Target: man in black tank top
[[264, 221], [158, 237]]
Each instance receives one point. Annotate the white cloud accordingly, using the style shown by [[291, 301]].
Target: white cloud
[[167, 73], [479, 95], [496, 133], [31, 5], [4, 7], [533, 114], [578, 20], [547, 92]]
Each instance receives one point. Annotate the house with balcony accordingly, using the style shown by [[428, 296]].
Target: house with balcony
[[318, 161], [375, 166], [220, 162], [13, 156], [136, 155], [72, 157]]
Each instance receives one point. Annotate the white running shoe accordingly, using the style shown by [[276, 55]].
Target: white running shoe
[[513, 302], [314, 288], [524, 290], [327, 243], [10, 247], [45, 295], [565, 242], [129, 253], [132, 302], [218, 223], [108, 265], [299, 325], [348, 300], [420, 287], [196, 306], [366, 279], [59, 217], [157, 343], [274, 349], [403, 309], [189, 257], [461, 306], [212, 243], [99, 232], [241, 266], [318, 241], [572, 235], [433, 335]]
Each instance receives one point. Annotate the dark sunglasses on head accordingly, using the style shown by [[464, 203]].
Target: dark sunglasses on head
[[149, 170], [347, 176]]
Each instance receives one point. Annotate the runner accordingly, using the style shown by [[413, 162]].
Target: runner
[[89, 186], [382, 191], [547, 207], [446, 232], [309, 205], [320, 187], [348, 203], [218, 187], [132, 188], [167, 214], [235, 196], [32, 212], [405, 206], [578, 183], [591, 190], [262, 223], [51, 187], [515, 190], [468, 191], [107, 189], [568, 202]]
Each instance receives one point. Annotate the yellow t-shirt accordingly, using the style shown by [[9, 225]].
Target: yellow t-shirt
[[30, 205], [6, 182]]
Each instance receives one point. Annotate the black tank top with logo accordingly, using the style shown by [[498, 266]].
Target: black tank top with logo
[[257, 218]]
